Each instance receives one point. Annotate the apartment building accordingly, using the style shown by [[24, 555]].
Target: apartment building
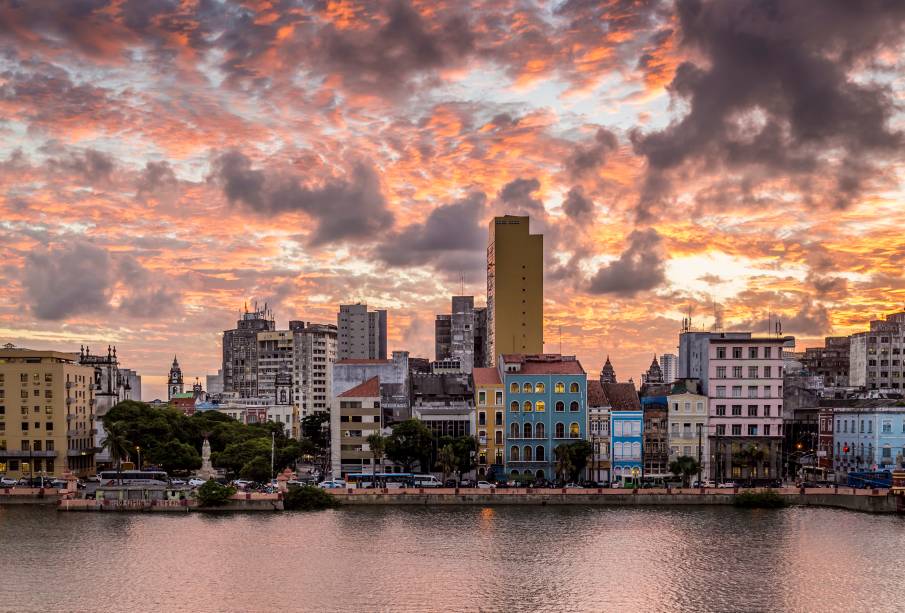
[[491, 418], [877, 356], [361, 334], [687, 423], [359, 417]]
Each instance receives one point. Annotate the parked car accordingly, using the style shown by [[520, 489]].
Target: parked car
[[8, 481], [485, 485], [727, 485], [177, 482], [333, 484], [241, 483], [574, 486], [196, 482], [704, 483], [466, 483]]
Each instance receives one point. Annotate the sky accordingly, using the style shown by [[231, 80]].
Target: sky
[[165, 162]]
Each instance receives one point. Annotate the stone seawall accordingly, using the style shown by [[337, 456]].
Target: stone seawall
[[854, 500]]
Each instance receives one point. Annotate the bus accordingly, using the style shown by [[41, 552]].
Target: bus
[[387, 480], [133, 477], [877, 479]]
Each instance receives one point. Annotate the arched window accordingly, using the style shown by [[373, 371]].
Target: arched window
[[513, 431], [528, 453], [540, 406], [513, 473], [526, 407], [539, 388], [636, 451], [513, 454], [540, 454], [527, 389], [573, 406], [539, 475], [573, 430], [527, 430], [560, 406], [559, 388], [560, 430], [513, 406], [539, 430], [617, 451], [573, 388], [513, 388]]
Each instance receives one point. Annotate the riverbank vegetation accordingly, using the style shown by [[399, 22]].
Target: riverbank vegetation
[[759, 500], [213, 494], [308, 498]]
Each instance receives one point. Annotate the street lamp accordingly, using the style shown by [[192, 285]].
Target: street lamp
[[138, 449]]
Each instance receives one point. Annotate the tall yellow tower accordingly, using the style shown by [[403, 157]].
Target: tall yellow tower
[[515, 288]]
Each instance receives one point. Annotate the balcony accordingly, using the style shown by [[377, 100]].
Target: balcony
[[18, 454]]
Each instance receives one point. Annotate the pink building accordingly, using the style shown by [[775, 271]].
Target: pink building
[[742, 377]]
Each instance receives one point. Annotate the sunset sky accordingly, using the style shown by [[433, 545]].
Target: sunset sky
[[164, 162]]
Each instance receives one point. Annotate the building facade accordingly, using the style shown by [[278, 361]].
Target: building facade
[[491, 422], [515, 288], [869, 437], [627, 445], [546, 406], [599, 432], [830, 362], [314, 356], [877, 356], [240, 352], [46, 414], [444, 403], [688, 422], [359, 417], [669, 364], [742, 376], [361, 334]]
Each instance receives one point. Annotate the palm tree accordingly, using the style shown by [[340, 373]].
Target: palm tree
[[447, 461], [750, 456], [564, 465], [377, 442], [118, 445], [684, 467]]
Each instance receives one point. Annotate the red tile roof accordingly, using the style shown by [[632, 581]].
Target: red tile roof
[[622, 396], [596, 397], [545, 364], [368, 389], [486, 376], [362, 361]]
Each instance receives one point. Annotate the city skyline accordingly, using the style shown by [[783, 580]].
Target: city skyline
[[162, 167]]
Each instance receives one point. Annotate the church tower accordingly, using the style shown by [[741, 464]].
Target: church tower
[[174, 383], [654, 374], [607, 374]]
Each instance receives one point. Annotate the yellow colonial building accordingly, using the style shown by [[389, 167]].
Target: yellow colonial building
[[46, 414], [490, 421]]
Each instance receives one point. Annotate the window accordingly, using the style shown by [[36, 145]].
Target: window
[[766, 410], [482, 397], [886, 426], [870, 427], [721, 430], [768, 372], [736, 410], [752, 391], [752, 410], [721, 410], [720, 391], [514, 454], [736, 372], [736, 429], [527, 388], [560, 430], [498, 421], [737, 353], [528, 453], [861, 431], [752, 372], [617, 428], [636, 451], [540, 406], [499, 398], [482, 418], [540, 453], [513, 406], [24, 426], [887, 453], [574, 431], [688, 407], [700, 407], [513, 388], [573, 388], [513, 431], [752, 353], [559, 388], [720, 372], [498, 438], [617, 451], [527, 407], [721, 353], [736, 391], [527, 430], [560, 406], [573, 406], [539, 431], [767, 352], [766, 429], [752, 430], [539, 388]]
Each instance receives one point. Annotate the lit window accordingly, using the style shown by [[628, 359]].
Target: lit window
[[574, 431], [527, 389], [573, 388], [539, 388], [526, 407], [540, 406], [560, 387]]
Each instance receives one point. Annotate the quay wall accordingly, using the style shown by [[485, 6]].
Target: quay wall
[[31, 495]]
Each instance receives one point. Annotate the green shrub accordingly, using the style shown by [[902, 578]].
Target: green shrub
[[212, 494], [308, 498], [759, 500]]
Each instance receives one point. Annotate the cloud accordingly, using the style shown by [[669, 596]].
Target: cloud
[[156, 176], [94, 166], [576, 205], [66, 281], [341, 208], [641, 267], [586, 158], [451, 239]]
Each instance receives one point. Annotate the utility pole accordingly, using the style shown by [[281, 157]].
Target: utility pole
[[272, 449]]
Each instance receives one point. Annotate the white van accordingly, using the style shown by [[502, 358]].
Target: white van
[[427, 481]]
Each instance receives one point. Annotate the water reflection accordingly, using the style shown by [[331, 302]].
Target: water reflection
[[460, 558]]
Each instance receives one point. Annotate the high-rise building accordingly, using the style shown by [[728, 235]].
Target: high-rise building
[[442, 336], [51, 397], [669, 365], [515, 288], [877, 356], [480, 337], [240, 352], [315, 354], [742, 377], [275, 354], [361, 334], [215, 383], [460, 335]]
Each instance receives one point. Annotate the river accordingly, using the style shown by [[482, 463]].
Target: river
[[454, 559]]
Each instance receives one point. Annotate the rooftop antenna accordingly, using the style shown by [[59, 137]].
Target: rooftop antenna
[[462, 277]]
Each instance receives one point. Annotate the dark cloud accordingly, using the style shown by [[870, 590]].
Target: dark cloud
[[640, 267], [576, 205], [71, 280], [586, 158], [452, 237], [156, 176], [94, 166], [775, 91], [517, 198], [341, 208]]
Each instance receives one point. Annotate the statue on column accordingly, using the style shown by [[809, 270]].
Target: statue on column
[[207, 471]]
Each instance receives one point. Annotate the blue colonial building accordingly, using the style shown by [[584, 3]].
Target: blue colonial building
[[546, 406], [626, 433], [869, 436]]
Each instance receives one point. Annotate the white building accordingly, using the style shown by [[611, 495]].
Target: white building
[[877, 356], [314, 356], [669, 364], [361, 334]]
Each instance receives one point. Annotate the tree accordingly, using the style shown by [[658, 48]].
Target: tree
[[257, 469], [117, 445], [447, 461], [750, 456], [212, 494], [174, 456], [308, 498], [313, 428], [377, 442], [410, 442], [580, 451], [564, 466], [684, 467]]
